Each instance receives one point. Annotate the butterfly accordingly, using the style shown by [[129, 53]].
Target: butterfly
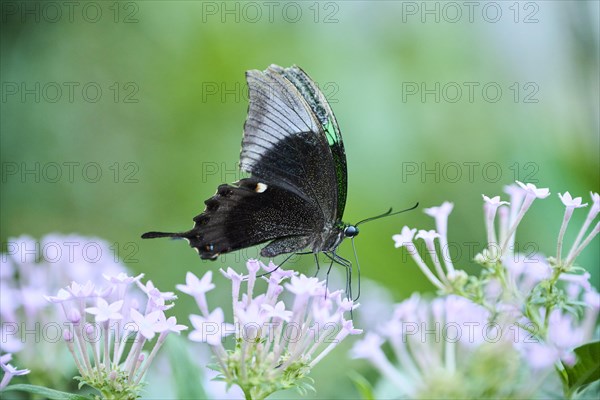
[[295, 196]]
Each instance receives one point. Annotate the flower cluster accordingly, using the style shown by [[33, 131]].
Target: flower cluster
[[276, 344], [548, 300], [443, 346], [29, 270], [101, 323]]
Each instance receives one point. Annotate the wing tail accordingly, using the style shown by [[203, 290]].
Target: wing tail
[[153, 235]]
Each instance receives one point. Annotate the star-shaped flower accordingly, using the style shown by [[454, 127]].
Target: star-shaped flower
[[570, 202], [278, 312], [194, 286], [210, 329], [169, 324], [532, 190], [366, 347], [405, 237], [494, 201], [442, 211], [304, 285], [147, 325], [104, 311], [427, 236]]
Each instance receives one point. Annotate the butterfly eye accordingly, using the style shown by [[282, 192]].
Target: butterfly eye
[[350, 231]]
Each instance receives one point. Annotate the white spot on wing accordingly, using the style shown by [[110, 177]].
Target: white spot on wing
[[260, 187]]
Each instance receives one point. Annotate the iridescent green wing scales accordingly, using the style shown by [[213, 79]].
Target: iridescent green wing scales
[[322, 110]]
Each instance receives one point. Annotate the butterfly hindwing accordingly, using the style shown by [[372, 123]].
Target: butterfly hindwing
[[251, 212]]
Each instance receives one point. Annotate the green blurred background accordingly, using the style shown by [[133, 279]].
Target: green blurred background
[[159, 100]]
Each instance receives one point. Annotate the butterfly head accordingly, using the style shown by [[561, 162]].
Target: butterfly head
[[350, 231]]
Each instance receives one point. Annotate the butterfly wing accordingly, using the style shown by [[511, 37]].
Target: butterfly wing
[[284, 138], [324, 114], [297, 167], [247, 213]]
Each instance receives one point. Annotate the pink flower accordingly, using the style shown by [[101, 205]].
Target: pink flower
[[278, 312], [532, 190], [9, 370], [494, 201], [153, 293], [81, 291], [253, 266], [211, 329], [195, 286], [104, 311], [147, 325], [282, 340], [303, 285], [365, 347], [62, 296], [570, 202], [232, 275], [169, 325], [122, 278], [595, 203]]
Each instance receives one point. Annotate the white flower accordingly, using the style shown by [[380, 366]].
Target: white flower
[[494, 201], [427, 236], [595, 203], [210, 329], [367, 346], [169, 325], [9, 370], [276, 344], [194, 286], [405, 237], [532, 190], [303, 285], [122, 278], [99, 350], [147, 325], [278, 312], [104, 311], [570, 202], [442, 212]]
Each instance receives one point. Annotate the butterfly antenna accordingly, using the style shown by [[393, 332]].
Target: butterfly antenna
[[357, 269], [388, 213]]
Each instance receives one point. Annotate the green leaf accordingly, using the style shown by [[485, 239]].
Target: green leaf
[[44, 392], [590, 392], [186, 372], [362, 385], [585, 371]]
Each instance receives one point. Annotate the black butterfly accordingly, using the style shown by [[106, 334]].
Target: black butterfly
[[296, 193]]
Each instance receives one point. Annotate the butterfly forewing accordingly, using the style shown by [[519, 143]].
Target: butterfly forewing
[[323, 112], [278, 115]]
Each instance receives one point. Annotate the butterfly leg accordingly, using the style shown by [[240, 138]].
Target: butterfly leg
[[327, 276], [318, 266], [334, 257], [346, 264]]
